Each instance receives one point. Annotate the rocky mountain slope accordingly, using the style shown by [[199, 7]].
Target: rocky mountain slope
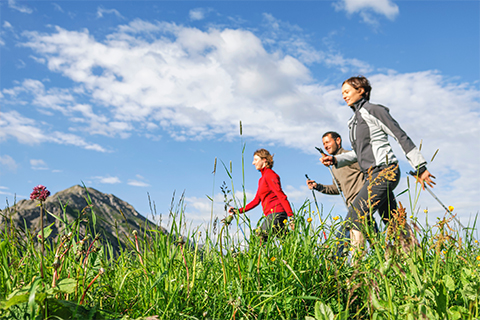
[[107, 215]]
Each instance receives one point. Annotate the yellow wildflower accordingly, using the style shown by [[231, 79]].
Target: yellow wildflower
[[336, 218], [425, 211], [285, 221], [476, 241], [309, 219], [450, 208], [273, 259], [478, 258], [411, 217]]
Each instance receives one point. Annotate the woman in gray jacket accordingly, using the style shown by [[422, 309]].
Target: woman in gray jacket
[[369, 128]]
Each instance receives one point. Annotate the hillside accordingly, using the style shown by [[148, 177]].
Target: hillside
[[112, 215]]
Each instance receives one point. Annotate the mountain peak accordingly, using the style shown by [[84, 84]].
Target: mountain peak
[[113, 216]]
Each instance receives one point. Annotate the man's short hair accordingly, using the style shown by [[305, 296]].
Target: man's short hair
[[332, 134]]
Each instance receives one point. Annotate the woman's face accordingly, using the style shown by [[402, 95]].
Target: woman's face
[[258, 162], [350, 94]]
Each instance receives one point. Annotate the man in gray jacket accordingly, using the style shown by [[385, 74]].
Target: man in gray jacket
[[349, 178]]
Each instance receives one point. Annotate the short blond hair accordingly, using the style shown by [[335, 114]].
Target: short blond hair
[[264, 154]]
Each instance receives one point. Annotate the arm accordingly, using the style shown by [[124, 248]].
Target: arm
[[273, 182], [391, 127], [327, 189], [330, 189], [340, 160], [252, 204], [413, 155]]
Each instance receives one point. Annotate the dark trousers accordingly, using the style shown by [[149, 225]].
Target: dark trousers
[[274, 222], [382, 198]]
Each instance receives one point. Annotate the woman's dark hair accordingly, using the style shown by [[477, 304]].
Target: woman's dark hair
[[264, 154], [360, 82]]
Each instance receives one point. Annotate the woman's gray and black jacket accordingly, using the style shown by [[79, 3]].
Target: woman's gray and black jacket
[[369, 128]]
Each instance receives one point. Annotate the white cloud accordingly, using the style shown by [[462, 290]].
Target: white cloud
[[101, 11], [198, 13], [107, 179], [137, 183], [8, 162], [28, 131], [57, 7], [364, 7], [7, 25], [12, 4], [197, 84], [38, 164]]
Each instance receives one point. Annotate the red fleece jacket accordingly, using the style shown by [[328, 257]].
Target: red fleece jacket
[[270, 194]]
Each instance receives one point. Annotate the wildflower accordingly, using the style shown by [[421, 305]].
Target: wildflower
[[309, 219], [478, 258], [39, 192], [425, 211], [411, 217], [476, 241], [450, 208], [273, 259], [336, 218], [285, 221]]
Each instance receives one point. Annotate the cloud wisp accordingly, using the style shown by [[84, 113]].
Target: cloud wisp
[[12, 4], [365, 8]]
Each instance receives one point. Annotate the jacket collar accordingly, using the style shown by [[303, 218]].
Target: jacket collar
[[357, 105], [339, 151]]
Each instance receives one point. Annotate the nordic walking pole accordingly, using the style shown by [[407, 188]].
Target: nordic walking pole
[[440, 202], [333, 177], [316, 204], [313, 193]]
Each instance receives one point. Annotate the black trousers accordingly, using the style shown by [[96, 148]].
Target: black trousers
[[382, 198], [276, 223]]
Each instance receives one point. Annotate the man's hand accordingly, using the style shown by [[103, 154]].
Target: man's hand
[[425, 177], [311, 184], [328, 160]]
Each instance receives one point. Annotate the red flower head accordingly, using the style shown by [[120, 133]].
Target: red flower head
[[40, 192]]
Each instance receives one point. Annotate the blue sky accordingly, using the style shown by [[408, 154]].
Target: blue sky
[[137, 97]]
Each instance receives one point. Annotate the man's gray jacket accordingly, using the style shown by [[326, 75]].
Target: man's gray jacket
[[349, 179]]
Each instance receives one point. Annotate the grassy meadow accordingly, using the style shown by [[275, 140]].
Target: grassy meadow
[[226, 272]]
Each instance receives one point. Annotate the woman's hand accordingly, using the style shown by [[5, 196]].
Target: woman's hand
[[232, 211], [311, 184], [328, 160], [427, 178]]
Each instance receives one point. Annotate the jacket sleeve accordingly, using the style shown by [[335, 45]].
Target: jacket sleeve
[[273, 182], [391, 127], [252, 204], [345, 159], [328, 189]]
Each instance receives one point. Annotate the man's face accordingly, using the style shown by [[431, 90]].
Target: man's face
[[331, 145]]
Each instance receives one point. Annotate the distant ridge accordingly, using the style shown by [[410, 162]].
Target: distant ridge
[[108, 211]]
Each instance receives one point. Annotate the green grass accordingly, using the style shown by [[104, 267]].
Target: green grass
[[294, 277], [225, 272]]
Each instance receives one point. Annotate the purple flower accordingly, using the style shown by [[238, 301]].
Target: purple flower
[[40, 192]]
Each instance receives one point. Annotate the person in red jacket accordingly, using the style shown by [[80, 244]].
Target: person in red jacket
[[275, 205]]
